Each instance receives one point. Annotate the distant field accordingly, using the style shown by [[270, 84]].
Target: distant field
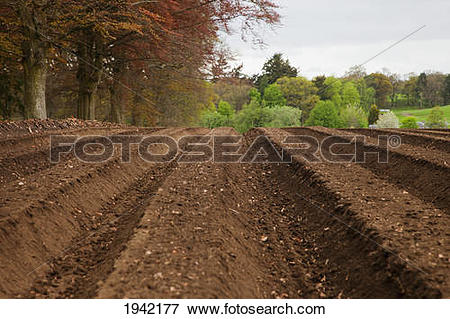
[[420, 114]]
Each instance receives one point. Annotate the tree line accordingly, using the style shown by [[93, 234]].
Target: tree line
[[119, 60], [278, 93]]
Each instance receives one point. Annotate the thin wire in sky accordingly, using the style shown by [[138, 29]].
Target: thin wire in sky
[[392, 45]]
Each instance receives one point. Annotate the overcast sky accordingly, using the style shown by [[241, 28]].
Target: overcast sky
[[330, 36]]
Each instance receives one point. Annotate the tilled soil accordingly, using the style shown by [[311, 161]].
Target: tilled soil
[[213, 230], [420, 170]]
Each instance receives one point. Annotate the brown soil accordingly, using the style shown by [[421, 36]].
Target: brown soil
[[427, 141], [209, 230], [435, 132], [11, 129], [424, 172]]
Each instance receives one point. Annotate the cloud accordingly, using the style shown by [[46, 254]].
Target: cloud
[[325, 36]]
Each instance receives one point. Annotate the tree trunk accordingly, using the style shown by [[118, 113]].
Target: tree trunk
[[116, 104], [90, 68], [137, 117], [116, 93], [87, 93], [34, 49], [35, 75]]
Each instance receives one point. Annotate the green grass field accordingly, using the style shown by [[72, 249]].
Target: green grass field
[[419, 114]]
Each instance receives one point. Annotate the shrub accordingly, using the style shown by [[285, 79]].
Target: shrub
[[388, 120], [324, 114], [436, 118], [212, 119], [374, 114], [285, 116], [223, 116], [354, 117], [410, 122], [252, 115]]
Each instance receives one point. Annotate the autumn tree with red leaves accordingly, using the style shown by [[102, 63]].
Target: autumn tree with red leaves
[[107, 39]]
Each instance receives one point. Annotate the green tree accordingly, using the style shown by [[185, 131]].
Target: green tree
[[332, 91], [383, 87], [299, 93], [255, 95], [350, 94], [396, 85], [274, 68], [324, 114], [410, 90], [446, 91], [319, 83], [422, 84], [436, 118], [367, 95], [374, 114], [226, 112], [333, 86], [225, 109], [410, 122], [273, 96], [354, 117], [432, 93]]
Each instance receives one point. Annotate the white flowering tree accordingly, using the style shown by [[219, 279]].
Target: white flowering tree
[[388, 120]]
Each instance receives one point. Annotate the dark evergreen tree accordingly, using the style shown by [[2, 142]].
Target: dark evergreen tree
[[274, 68], [319, 82]]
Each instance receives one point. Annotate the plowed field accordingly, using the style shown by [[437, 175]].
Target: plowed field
[[224, 230]]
